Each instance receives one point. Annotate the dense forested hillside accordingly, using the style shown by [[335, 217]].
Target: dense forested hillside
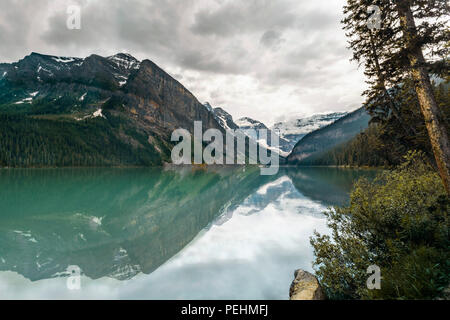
[[28, 141], [318, 142], [389, 138]]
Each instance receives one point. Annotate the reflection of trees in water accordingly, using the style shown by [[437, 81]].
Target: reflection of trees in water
[[329, 186]]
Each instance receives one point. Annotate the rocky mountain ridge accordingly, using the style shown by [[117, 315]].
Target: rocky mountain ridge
[[138, 101]]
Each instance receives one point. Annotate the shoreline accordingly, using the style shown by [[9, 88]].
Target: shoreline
[[170, 165]]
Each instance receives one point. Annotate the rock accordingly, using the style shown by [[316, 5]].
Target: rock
[[445, 294], [305, 287]]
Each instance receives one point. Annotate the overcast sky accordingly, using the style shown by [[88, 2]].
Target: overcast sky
[[266, 59]]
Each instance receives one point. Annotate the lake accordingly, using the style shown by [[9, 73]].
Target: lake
[[216, 233]]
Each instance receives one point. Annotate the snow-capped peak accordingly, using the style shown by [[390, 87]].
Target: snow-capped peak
[[294, 130], [124, 64], [224, 119], [63, 59], [249, 123], [125, 60], [303, 126]]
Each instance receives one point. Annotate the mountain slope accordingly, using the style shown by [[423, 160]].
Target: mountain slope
[[224, 119], [317, 142], [90, 105], [251, 128], [293, 131]]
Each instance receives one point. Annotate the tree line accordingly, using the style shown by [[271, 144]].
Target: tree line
[[30, 142]]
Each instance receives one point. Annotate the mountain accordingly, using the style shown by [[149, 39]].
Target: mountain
[[61, 111], [292, 131], [289, 132], [324, 139], [246, 125], [249, 126], [224, 119], [107, 111]]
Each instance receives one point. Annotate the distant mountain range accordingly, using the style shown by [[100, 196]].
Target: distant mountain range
[[113, 111], [250, 128], [294, 130], [318, 142], [289, 132]]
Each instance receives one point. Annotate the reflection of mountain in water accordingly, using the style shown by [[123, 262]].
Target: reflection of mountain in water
[[259, 200], [329, 186], [110, 222], [120, 222], [326, 186]]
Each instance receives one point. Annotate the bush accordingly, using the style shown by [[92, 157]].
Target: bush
[[398, 222]]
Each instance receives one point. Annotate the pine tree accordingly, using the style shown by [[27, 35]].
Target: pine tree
[[394, 51]]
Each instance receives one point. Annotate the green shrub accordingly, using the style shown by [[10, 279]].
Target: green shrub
[[398, 222]]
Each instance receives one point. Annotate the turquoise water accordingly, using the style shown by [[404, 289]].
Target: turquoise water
[[220, 233]]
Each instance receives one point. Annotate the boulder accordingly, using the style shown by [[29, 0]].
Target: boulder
[[305, 287]]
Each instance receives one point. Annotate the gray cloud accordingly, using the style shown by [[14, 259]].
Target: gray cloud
[[272, 39], [256, 58], [243, 16]]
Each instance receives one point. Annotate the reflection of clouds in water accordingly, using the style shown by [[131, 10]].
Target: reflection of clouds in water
[[15, 286], [247, 257], [265, 195]]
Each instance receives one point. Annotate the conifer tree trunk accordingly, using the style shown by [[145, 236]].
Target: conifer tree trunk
[[430, 110]]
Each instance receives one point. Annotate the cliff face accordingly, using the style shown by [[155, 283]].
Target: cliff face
[[163, 102], [137, 104]]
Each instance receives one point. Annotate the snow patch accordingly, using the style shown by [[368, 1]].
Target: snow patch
[[63, 59], [39, 69], [263, 143], [96, 220], [307, 125], [26, 100], [26, 234], [263, 190], [96, 114], [244, 123], [128, 63], [223, 123]]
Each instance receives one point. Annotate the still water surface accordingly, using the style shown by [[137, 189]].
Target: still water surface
[[226, 233]]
